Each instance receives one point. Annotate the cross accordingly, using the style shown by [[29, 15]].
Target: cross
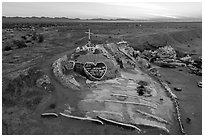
[[89, 32]]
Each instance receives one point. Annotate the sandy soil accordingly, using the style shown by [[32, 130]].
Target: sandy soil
[[190, 98]]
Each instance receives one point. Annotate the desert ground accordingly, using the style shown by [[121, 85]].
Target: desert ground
[[36, 45]]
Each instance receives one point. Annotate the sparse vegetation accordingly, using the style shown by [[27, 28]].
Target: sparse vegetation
[[23, 90]]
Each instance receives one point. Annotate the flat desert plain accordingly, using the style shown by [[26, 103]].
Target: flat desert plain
[[36, 45]]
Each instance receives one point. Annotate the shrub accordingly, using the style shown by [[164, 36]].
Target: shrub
[[23, 37], [34, 36], [40, 38], [19, 43], [21, 90], [32, 103], [97, 51], [7, 48]]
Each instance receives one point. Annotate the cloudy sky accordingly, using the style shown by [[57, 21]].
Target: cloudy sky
[[167, 10]]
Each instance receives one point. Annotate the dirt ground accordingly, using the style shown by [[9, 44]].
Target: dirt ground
[[190, 98], [61, 39]]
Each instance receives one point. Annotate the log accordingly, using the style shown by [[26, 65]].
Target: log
[[156, 126], [132, 103], [127, 55], [82, 118], [49, 114], [152, 116], [179, 117], [119, 123], [166, 87], [174, 99]]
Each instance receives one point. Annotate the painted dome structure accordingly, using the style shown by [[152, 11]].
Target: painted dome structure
[[116, 89]]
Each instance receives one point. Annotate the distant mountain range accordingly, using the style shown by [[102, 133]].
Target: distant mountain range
[[65, 19]]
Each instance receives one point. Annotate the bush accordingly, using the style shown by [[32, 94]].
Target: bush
[[7, 48], [21, 90], [40, 38], [198, 63], [23, 37], [33, 75], [97, 51], [33, 102], [180, 54], [19, 43], [34, 36], [8, 94]]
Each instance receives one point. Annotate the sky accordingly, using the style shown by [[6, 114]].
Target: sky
[[87, 10]]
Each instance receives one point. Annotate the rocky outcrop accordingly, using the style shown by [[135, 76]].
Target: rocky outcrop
[[166, 52]]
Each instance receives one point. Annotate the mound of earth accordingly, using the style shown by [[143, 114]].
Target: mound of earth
[[114, 94]]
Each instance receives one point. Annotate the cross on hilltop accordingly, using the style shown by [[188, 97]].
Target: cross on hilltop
[[89, 36]]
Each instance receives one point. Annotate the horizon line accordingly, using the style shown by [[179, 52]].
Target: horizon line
[[113, 18]]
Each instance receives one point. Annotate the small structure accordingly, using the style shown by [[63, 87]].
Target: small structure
[[78, 49], [89, 46]]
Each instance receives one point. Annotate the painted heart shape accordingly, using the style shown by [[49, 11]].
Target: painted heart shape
[[96, 71]]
